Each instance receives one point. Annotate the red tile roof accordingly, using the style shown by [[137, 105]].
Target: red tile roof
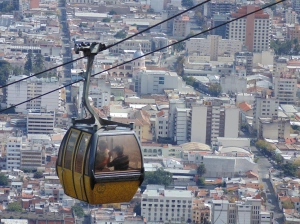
[[245, 106]]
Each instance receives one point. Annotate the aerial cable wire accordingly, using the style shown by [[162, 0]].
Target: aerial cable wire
[[159, 49], [110, 46]]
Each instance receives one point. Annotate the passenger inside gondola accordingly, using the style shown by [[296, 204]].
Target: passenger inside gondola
[[117, 153], [120, 161]]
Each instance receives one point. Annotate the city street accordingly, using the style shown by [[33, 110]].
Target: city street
[[263, 166]]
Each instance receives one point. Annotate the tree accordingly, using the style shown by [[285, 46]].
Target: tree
[[201, 170], [190, 80], [150, 10], [266, 147], [224, 184], [38, 174], [20, 33], [179, 65], [215, 89], [112, 12], [5, 71], [159, 177], [28, 67], [200, 182], [3, 180], [6, 7], [17, 70], [289, 169], [14, 207], [200, 19], [137, 209], [179, 46], [38, 63], [106, 20], [120, 35], [278, 159], [78, 210], [287, 205]]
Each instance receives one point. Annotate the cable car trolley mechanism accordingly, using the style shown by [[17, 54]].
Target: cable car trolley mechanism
[[99, 161]]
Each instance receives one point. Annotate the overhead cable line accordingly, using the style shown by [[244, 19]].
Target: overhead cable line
[[159, 49], [109, 46]]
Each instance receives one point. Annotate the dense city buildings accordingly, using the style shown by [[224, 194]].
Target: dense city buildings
[[217, 115]]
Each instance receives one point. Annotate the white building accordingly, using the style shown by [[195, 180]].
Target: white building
[[285, 88], [40, 123], [161, 124], [100, 93], [173, 104], [13, 153], [181, 125], [243, 212], [290, 16], [30, 88], [213, 46], [157, 5], [159, 204], [228, 166], [161, 150], [233, 83], [216, 120], [154, 82], [264, 107], [32, 156]]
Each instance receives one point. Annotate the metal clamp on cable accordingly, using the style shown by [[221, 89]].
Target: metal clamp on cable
[[89, 48]]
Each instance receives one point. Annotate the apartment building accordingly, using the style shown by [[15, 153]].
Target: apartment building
[[296, 5], [244, 59], [264, 107], [159, 42], [221, 6], [213, 46], [13, 153], [285, 88], [201, 213], [161, 124], [275, 128], [290, 16], [246, 212], [217, 20], [32, 156], [293, 32], [159, 204], [212, 120], [100, 93], [253, 30], [161, 150], [31, 88], [173, 105], [167, 27], [181, 26], [182, 122], [40, 123]]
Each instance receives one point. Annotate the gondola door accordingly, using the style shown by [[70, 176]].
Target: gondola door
[[79, 162], [68, 158]]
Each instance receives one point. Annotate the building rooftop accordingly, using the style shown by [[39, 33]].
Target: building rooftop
[[195, 146]]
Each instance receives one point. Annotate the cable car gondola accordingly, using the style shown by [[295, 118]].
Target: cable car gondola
[[99, 161]]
